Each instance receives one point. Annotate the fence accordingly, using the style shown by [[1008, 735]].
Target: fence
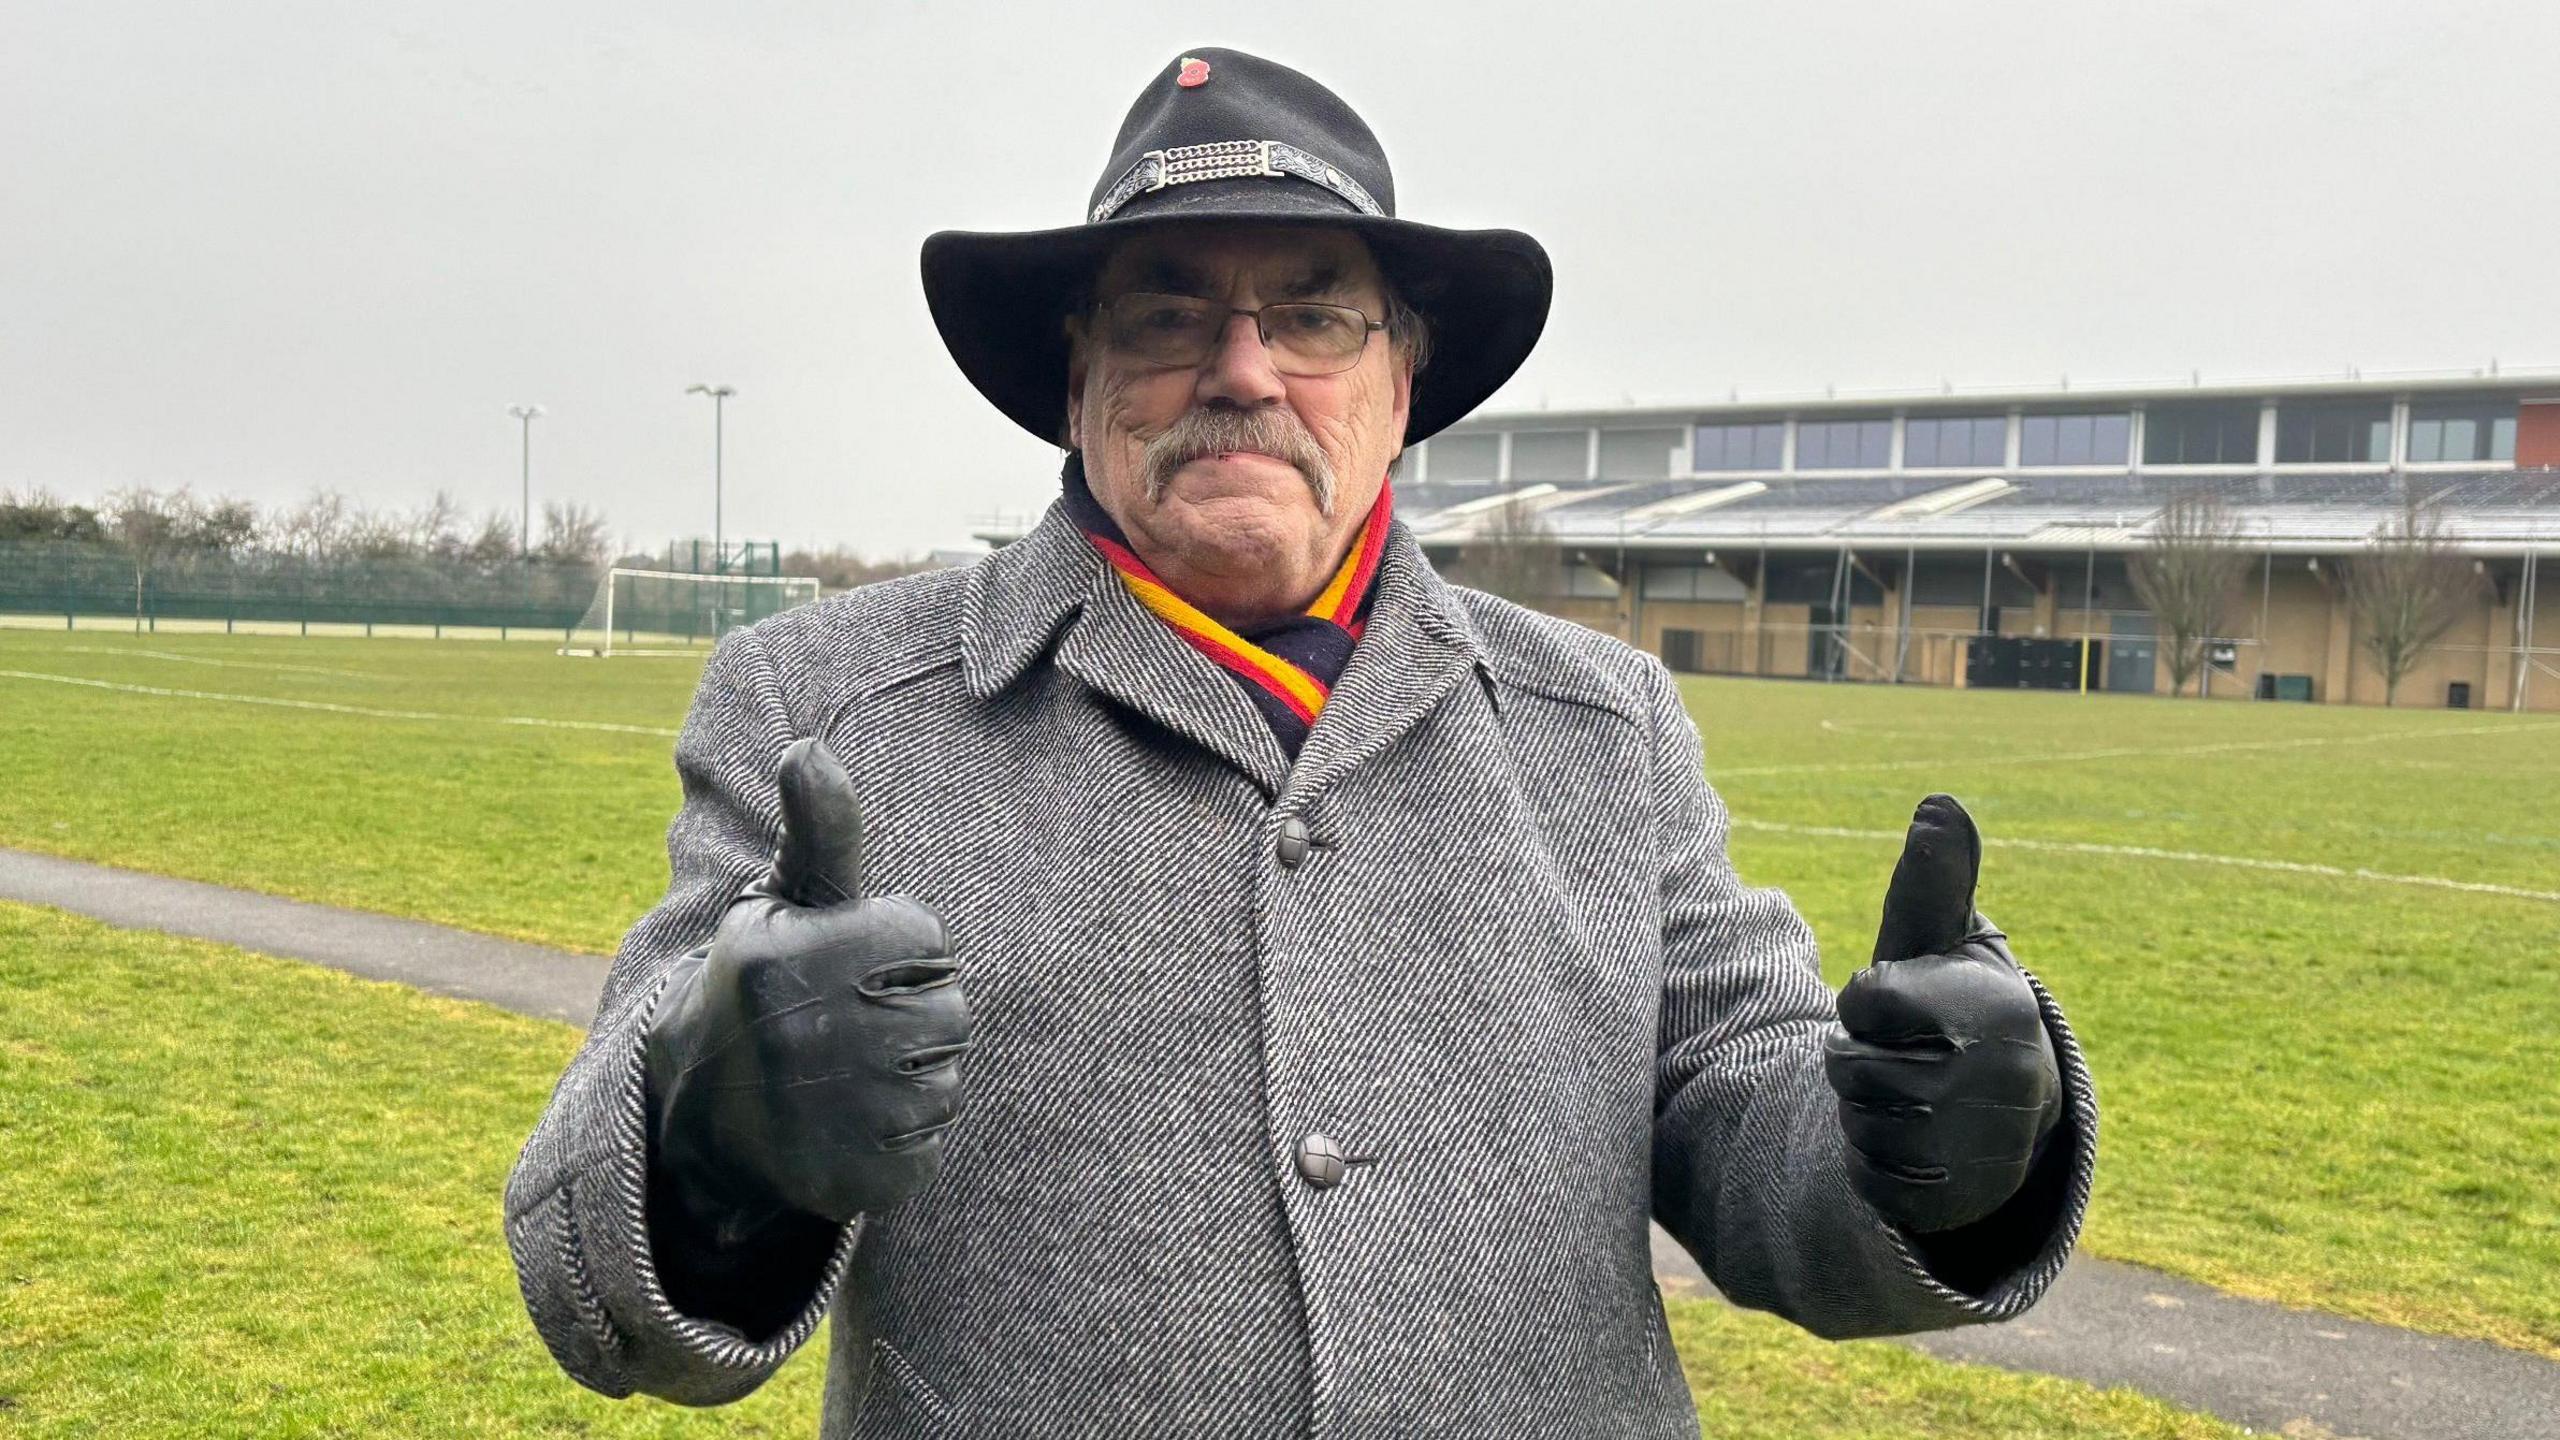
[[74, 580]]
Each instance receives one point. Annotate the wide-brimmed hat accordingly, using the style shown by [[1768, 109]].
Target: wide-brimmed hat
[[1220, 136]]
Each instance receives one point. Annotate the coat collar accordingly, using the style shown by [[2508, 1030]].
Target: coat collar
[[1419, 642]]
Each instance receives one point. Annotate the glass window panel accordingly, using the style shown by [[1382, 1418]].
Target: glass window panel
[[2200, 434], [1875, 444], [1768, 446], [2038, 439], [2332, 434], [1726, 447], [1636, 454], [1813, 446], [1991, 440], [1550, 455], [2294, 439], [2240, 439], [1462, 458], [2071, 438], [2110, 439], [2472, 427], [2426, 440], [1919, 443], [1670, 582]]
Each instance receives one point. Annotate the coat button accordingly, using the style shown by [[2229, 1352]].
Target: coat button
[[1294, 842], [1320, 1161]]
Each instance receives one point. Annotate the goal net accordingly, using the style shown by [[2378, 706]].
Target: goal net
[[672, 612]]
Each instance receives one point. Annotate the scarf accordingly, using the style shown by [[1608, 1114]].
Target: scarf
[[1288, 667]]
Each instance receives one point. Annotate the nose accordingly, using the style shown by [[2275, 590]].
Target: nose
[[1239, 372]]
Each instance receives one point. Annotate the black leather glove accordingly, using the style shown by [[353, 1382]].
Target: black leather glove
[[1947, 1081], [811, 1064]]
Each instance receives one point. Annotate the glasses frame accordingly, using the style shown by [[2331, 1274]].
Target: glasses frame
[[1351, 360]]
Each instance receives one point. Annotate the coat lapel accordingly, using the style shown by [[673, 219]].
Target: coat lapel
[[1418, 646], [1113, 644]]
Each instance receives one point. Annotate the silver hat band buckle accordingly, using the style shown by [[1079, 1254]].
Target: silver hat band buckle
[[1227, 160]]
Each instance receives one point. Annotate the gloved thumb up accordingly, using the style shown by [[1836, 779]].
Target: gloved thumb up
[[1928, 906], [819, 861], [1948, 1083], [838, 1101]]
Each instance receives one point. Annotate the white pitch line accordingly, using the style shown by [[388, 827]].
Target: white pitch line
[[2195, 857], [2124, 752], [279, 667], [365, 710]]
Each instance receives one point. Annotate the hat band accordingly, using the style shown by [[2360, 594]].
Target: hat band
[[1226, 160]]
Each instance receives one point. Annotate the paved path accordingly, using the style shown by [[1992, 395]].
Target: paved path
[[2289, 1372]]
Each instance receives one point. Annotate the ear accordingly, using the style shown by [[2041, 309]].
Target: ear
[[1075, 382], [1403, 391], [1079, 354]]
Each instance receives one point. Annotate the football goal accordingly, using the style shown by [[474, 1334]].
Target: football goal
[[673, 612]]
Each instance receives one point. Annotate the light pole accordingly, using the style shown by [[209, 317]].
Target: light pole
[[524, 537], [719, 395]]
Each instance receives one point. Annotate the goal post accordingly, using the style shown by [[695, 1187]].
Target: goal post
[[678, 612]]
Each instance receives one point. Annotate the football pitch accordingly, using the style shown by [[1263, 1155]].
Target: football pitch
[[2313, 952]]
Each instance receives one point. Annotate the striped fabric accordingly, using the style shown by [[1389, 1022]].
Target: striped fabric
[[1513, 975], [1287, 668]]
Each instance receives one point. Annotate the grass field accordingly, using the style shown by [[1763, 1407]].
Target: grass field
[[2324, 1061], [253, 1198]]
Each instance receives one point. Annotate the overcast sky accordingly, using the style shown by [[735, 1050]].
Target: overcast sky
[[264, 248]]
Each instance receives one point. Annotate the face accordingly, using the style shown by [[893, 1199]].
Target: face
[[1240, 486]]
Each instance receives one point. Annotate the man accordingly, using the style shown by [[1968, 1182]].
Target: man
[[1196, 973]]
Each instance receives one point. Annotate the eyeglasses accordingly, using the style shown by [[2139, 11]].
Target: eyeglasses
[[1304, 338]]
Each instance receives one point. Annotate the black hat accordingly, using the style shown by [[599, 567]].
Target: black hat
[[1221, 136]]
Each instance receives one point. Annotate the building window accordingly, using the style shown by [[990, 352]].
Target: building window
[[1638, 454], [1463, 459], [1843, 444], [2209, 434], [1586, 581], [2333, 434], [1740, 447], [1960, 441], [2082, 439], [1550, 455], [2462, 430], [1690, 582]]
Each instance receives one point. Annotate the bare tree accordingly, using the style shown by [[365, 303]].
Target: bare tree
[[494, 542], [842, 568], [151, 527], [2408, 590], [1512, 554], [318, 529], [2186, 574], [36, 515], [572, 534]]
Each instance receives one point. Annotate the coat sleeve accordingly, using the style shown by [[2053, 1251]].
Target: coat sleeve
[[576, 1214], [1748, 1155]]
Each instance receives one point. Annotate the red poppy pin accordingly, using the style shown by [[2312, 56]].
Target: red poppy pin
[[1195, 73]]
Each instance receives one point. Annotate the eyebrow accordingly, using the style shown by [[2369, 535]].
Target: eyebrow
[[1324, 280], [1171, 277]]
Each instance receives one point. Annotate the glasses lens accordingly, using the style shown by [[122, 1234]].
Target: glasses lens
[[1164, 329], [1309, 339]]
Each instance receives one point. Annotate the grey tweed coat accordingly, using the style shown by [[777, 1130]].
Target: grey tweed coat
[[1515, 978]]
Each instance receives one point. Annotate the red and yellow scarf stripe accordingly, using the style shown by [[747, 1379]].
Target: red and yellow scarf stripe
[[1303, 692]]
